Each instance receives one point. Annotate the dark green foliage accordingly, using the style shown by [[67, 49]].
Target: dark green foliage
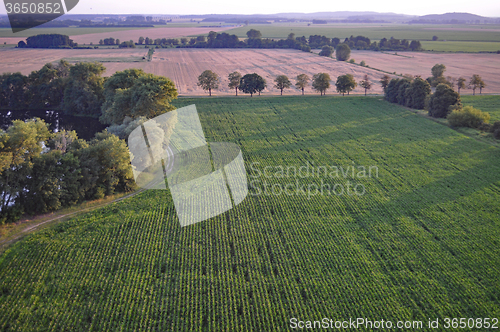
[[252, 83], [84, 90], [49, 41], [321, 82], [391, 91], [13, 90], [127, 44], [418, 91], [345, 83], [327, 51], [410, 92], [68, 171], [41, 89], [394, 44], [343, 52], [442, 99], [134, 93], [254, 34]]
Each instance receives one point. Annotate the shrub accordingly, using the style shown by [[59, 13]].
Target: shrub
[[496, 134], [468, 117], [495, 126], [352, 61], [363, 63]]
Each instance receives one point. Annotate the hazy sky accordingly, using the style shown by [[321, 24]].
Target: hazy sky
[[489, 8]]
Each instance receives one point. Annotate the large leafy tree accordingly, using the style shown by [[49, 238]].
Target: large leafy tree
[[208, 80], [282, 82], [345, 83], [443, 99], [321, 82], [136, 94], [252, 83], [302, 82], [46, 86], [234, 81], [254, 34], [343, 52], [84, 91]]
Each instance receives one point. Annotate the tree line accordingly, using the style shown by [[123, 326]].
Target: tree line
[[254, 83], [255, 40]]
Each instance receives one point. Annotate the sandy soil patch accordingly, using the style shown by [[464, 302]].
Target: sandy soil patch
[[457, 65]]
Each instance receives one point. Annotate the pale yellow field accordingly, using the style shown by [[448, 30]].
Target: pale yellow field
[[183, 66]]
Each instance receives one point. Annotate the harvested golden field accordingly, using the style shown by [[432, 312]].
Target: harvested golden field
[[152, 33], [184, 65], [487, 65], [124, 34]]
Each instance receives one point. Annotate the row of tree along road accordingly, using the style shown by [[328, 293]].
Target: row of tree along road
[[254, 83]]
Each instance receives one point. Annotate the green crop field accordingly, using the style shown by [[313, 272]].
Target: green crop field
[[377, 31], [460, 46], [422, 242], [490, 104]]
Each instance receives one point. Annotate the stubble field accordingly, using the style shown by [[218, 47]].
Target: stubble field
[[183, 66]]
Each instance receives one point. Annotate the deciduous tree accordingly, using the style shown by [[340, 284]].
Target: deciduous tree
[[252, 83], [208, 80], [345, 83], [234, 81], [321, 82], [343, 52], [365, 83], [302, 82], [461, 84], [476, 82], [282, 82], [442, 100]]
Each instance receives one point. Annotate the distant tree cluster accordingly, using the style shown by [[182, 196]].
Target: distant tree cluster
[[394, 44], [42, 171], [48, 41]]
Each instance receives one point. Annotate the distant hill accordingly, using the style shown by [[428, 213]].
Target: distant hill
[[451, 18]]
